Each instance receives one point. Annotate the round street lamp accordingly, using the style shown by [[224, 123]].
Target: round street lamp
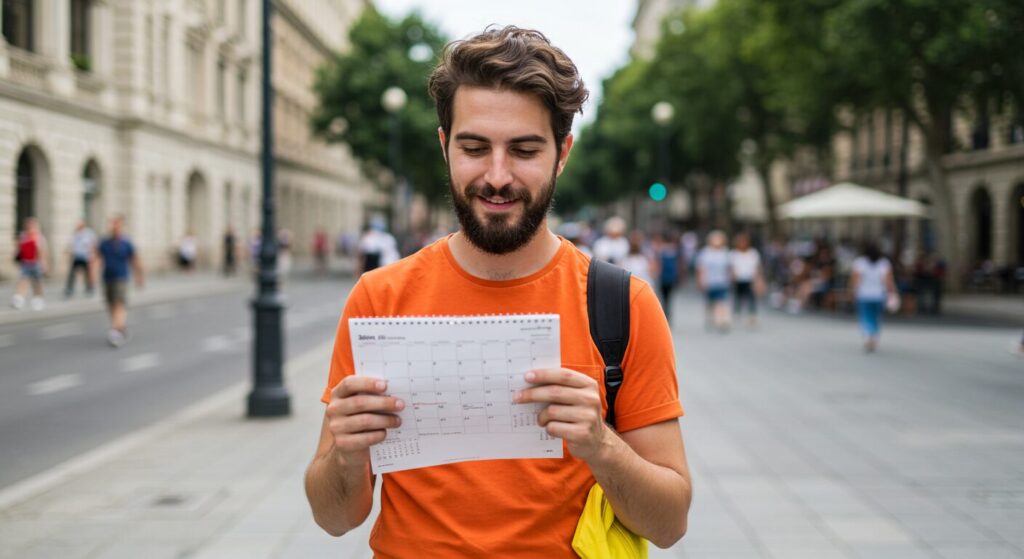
[[393, 99], [662, 113]]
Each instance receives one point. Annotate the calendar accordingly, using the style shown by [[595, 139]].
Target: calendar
[[457, 376]]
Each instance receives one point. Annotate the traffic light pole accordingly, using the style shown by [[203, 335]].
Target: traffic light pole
[[269, 397]]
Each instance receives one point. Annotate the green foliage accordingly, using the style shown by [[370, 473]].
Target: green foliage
[[350, 88]]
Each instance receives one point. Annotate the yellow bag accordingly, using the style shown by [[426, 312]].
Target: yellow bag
[[599, 535]]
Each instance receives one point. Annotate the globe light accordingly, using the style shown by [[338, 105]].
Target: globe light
[[393, 99], [662, 113], [657, 192]]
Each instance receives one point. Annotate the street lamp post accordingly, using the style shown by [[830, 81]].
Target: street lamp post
[[269, 397], [393, 100], [662, 113]]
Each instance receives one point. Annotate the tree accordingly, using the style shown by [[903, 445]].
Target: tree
[[382, 54], [929, 59]]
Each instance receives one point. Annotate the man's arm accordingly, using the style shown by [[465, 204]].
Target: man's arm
[[140, 279], [339, 486], [643, 472]]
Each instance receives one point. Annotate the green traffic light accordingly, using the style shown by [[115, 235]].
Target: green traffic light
[[657, 192]]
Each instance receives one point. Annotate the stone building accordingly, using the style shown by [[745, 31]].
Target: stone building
[[985, 172], [151, 109]]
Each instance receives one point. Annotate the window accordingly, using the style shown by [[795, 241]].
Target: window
[[81, 54], [242, 85], [221, 79], [18, 23]]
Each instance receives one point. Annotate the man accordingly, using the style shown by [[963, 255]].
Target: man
[[117, 253], [505, 101], [32, 257], [81, 248], [713, 278], [613, 246]]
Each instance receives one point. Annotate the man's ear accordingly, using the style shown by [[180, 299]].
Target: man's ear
[[563, 157], [444, 143]]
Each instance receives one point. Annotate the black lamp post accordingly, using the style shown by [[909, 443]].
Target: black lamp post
[[269, 397], [393, 100]]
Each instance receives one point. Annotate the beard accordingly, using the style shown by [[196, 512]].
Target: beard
[[501, 233]]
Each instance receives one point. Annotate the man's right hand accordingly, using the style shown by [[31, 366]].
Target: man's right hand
[[357, 416]]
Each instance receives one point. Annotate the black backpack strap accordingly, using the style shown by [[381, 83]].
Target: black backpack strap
[[608, 311]]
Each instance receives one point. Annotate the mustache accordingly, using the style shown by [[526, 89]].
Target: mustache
[[507, 192]]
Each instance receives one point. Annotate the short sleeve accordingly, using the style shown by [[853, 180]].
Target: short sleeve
[[357, 305], [650, 389]]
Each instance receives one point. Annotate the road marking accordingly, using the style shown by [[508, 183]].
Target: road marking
[[140, 362], [6, 340], [62, 330], [55, 384], [216, 343], [161, 312]]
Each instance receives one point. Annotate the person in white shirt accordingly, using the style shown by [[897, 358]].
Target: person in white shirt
[[638, 262], [748, 281], [872, 285], [613, 246], [713, 280], [81, 248]]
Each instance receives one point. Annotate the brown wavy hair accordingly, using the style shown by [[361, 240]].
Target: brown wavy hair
[[512, 58]]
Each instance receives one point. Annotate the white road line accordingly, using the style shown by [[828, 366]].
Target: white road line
[[140, 362], [216, 343], [6, 340], [54, 384], [62, 330], [160, 312]]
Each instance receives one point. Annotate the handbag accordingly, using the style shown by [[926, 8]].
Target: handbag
[[599, 535]]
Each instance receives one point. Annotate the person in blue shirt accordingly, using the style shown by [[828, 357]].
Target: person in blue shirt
[[118, 260]]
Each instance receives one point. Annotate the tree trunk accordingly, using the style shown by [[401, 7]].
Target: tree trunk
[[772, 223], [949, 230]]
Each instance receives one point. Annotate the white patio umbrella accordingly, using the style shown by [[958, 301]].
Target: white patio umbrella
[[851, 200]]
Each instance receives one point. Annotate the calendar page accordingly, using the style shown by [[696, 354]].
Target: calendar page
[[457, 375]]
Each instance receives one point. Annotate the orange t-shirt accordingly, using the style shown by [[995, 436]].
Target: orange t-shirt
[[506, 508]]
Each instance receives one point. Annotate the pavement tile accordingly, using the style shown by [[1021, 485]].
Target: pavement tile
[[890, 551], [977, 551], [867, 530]]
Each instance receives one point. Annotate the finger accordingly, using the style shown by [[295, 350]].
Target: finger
[[567, 414], [354, 384], [367, 403], [364, 422], [565, 431], [359, 441], [564, 377], [558, 394]]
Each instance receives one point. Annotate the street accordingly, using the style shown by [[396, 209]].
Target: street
[[800, 444], [64, 391]]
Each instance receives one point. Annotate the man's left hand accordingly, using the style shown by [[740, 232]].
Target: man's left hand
[[573, 411]]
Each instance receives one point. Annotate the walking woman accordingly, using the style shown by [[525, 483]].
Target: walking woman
[[872, 284]]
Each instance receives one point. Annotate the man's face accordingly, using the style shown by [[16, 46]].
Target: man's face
[[502, 165]]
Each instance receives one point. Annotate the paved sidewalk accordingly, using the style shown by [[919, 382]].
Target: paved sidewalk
[[801, 446]]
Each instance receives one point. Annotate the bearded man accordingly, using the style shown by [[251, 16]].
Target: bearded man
[[505, 101]]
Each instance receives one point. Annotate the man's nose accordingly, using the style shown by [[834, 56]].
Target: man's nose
[[499, 170]]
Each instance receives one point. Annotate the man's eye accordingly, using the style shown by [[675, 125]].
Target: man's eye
[[526, 152], [473, 150]]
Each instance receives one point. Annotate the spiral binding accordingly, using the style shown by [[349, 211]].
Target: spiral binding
[[452, 320]]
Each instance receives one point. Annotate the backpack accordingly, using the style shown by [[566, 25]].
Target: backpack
[[608, 312]]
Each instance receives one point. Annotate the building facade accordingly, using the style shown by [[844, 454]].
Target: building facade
[[984, 168], [151, 109]]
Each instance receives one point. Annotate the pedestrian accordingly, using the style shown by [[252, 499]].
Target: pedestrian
[[188, 250], [873, 286], [713, 279], [81, 248], [284, 254], [668, 255], [613, 246], [118, 261], [747, 276], [377, 247], [638, 262], [505, 101], [320, 250], [32, 257], [230, 251]]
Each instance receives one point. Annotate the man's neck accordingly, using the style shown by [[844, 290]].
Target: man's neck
[[529, 259]]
